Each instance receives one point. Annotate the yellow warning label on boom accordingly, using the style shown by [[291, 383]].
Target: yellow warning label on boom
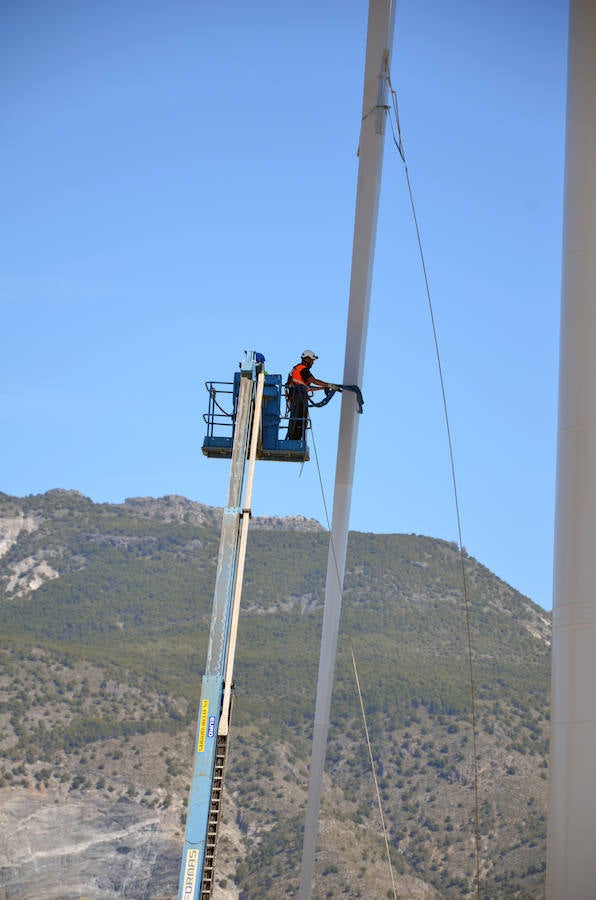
[[203, 726]]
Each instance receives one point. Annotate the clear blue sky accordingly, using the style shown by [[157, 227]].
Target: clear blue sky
[[178, 185]]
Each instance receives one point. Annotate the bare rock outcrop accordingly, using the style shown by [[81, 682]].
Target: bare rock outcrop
[[70, 848]]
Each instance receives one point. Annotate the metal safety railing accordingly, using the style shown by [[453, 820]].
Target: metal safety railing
[[220, 393], [220, 416]]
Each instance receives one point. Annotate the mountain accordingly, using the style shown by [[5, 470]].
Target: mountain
[[105, 612]]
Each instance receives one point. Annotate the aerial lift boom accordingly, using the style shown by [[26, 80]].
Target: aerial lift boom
[[196, 874], [247, 444]]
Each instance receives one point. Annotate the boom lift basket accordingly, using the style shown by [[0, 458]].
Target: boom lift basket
[[221, 422]]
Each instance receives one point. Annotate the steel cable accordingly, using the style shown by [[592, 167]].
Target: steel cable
[[400, 148]]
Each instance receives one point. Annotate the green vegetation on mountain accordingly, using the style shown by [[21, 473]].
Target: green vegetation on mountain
[[105, 615]]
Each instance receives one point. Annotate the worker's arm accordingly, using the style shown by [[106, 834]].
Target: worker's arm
[[323, 384]]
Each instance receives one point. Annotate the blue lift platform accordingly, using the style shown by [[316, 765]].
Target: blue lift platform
[[251, 429], [271, 444]]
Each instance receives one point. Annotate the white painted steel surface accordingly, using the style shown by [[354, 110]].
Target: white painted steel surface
[[224, 722], [378, 50], [571, 845]]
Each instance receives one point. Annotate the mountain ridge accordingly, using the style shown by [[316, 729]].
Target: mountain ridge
[[102, 668]]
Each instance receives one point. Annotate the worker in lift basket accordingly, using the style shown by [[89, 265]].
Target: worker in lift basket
[[300, 381]]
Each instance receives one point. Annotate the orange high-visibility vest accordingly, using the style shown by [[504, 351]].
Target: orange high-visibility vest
[[295, 374]]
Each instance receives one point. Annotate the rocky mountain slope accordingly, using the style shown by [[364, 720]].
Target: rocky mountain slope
[[105, 613]]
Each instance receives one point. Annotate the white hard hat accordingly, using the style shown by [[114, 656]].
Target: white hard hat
[[310, 353]]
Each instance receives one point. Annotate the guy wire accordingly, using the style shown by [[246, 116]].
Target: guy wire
[[362, 710], [400, 148]]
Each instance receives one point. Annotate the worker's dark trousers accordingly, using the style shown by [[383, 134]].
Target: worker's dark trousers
[[298, 412]]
